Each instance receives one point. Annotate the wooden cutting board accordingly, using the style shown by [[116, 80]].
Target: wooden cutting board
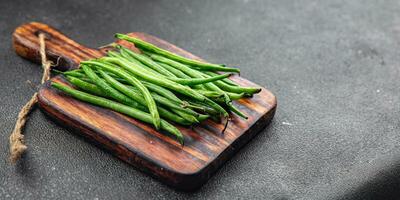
[[185, 168]]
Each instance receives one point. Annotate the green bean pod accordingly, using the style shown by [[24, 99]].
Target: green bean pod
[[227, 81], [197, 81]]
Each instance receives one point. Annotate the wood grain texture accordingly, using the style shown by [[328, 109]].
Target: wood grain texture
[[137, 143]]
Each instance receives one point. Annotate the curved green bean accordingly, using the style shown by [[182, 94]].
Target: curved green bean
[[227, 80], [197, 81]]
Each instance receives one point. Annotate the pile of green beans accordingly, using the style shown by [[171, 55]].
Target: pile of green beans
[[157, 86]]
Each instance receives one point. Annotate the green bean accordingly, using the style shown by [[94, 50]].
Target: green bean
[[75, 73], [161, 81], [200, 107], [237, 111], [197, 81], [227, 80], [236, 89], [146, 94], [235, 96], [56, 71], [106, 103], [203, 117], [152, 48]]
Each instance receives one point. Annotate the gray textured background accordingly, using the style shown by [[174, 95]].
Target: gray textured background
[[334, 66]]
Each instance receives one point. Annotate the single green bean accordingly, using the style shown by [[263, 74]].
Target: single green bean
[[235, 96], [201, 107], [132, 112], [203, 117], [152, 48], [197, 81], [237, 89], [75, 73], [227, 80]]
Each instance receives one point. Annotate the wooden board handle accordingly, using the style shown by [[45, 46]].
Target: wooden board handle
[[59, 48]]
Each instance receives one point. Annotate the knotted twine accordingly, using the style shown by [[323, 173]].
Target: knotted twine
[[17, 144]]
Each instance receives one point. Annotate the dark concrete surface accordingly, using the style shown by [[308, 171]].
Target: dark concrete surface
[[334, 66]]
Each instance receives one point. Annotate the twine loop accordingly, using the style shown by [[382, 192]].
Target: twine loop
[[17, 143]]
